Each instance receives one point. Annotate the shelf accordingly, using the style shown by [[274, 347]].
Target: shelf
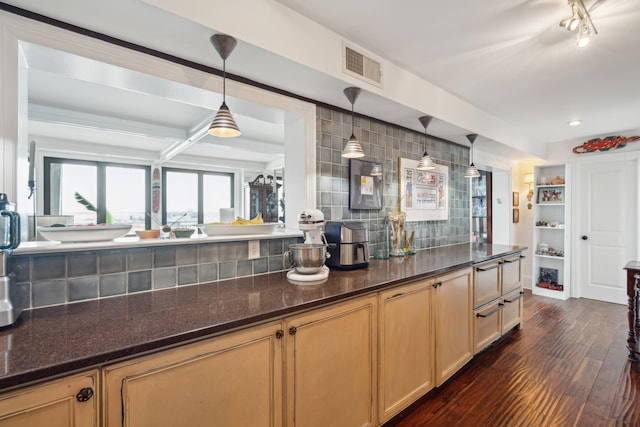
[[480, 197], [549, 256], [549, 204], [549, 185], [549, 228]]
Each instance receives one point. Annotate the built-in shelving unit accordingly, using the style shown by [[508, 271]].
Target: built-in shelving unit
[[551, 272]]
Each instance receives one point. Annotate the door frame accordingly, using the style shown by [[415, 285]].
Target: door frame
[[577, 165]]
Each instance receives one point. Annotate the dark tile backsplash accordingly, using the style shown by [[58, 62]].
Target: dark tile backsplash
[[386, 144], [76, 276]]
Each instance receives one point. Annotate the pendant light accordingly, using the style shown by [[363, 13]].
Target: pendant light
[[223, 123], [472, 170], [426, 162], [352, 149]]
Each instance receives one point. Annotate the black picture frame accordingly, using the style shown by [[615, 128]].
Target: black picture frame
[[365, 188]]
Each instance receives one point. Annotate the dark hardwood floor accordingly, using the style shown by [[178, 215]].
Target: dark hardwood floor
[[567, 367]]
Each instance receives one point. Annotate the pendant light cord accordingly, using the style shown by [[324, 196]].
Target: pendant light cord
[[224, 81]]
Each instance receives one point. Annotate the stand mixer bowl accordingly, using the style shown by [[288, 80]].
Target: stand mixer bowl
[[306, 258]]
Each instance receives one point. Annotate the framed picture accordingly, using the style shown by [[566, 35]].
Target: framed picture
[[423, 195], [516, 215], [550, 195], [365, 187], [516, 199]]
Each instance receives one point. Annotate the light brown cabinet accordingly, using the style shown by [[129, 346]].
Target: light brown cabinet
[[406, 357], [453, 321], [66, 402], [498, 299], [232, 380], [331, 360], [241, 378]]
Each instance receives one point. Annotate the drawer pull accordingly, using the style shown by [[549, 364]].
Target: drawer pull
[[84, 394], [489, 313], [397, 295], [509, 261], [488, 268], [520, 296]]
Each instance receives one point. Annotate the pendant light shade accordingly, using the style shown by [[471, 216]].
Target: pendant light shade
[[223, 124], [472, 170], [426, 162], [352, 149]]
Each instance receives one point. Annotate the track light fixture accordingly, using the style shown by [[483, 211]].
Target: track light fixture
[[223, 123], [580, 20], [352, 149], [472, 170], [426, 162]]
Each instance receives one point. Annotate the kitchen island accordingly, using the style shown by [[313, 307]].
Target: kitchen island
[[53, 342]]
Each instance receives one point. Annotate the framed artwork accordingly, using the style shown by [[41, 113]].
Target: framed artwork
[[516, 199], [423, 194], [365, 188], [551, 195], [516, 215]]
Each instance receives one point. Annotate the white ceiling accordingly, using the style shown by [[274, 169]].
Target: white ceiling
[[509, 58]]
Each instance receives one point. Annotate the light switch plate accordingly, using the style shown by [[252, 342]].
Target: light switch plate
[[254, 249]]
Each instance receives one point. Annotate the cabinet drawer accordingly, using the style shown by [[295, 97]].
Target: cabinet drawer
[[487, 324], [512, 309], [487, 286], [511, 274]]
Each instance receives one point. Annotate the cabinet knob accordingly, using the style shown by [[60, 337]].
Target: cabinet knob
[[279, 334], [293, 330], [84, 394], [584, 237]]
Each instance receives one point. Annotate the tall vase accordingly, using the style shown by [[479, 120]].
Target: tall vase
[[396, 222]]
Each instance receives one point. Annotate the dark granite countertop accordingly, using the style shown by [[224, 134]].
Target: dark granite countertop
[[53, 341]]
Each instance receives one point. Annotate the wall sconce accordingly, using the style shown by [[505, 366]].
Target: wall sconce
[[528, 179]]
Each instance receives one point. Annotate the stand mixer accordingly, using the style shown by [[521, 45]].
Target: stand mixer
[[311, 223]]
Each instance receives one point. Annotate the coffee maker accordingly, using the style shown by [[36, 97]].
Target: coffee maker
[[11, 304], [348, 244]]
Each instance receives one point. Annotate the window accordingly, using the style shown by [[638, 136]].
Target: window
[[195, 197], [97, 192]]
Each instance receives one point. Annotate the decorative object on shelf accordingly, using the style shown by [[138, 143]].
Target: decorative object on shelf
[[548, 278], [472, 170], [423, 194], [550, 195], [516, 215], [528, 179], [223, 123], [365, 188], [580, 20], [396, 222], [604, 144], [557, 181], [352, 148], [516, 198], [426, 162]]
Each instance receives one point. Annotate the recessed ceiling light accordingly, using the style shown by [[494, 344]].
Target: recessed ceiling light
[[574, 122]]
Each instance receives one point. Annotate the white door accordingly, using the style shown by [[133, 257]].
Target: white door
[[606, 216]]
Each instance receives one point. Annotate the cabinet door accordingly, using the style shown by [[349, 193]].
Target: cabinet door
[[66, 402], [452, 302], [513, 310], [487, 324], [406, 357], [511, 274], [232, 380], [487, 285], [331, 365]]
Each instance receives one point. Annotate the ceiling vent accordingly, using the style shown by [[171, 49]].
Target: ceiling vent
[[362, 66]]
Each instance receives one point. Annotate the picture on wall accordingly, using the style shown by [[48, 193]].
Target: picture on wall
[[423, 194], [365, 187]]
